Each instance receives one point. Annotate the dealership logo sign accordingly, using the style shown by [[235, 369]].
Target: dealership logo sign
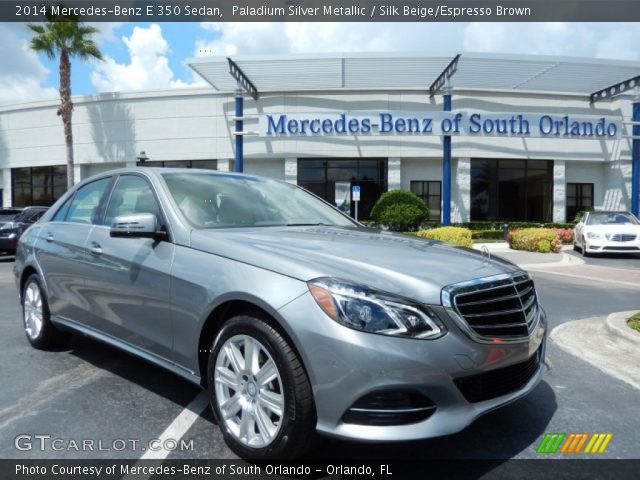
[[461, 123]]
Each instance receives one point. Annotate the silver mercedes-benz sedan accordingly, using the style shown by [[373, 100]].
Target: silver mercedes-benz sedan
[[296, 319]]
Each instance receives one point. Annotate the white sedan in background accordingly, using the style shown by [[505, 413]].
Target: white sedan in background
[[607, 232]]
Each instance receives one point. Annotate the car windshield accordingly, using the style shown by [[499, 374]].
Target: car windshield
[[219, 201], [611, 218]]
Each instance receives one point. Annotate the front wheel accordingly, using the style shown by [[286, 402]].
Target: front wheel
[[36, 317], [259, 391]]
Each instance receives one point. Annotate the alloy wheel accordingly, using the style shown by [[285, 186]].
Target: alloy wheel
[[248, 391], [33, 312]]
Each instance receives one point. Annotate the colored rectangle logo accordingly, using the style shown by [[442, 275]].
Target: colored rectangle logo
[[574, 443]]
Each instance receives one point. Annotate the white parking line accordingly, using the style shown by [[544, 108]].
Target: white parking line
[[180, 425]]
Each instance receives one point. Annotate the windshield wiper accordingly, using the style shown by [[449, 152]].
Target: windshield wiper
[[318, 224]]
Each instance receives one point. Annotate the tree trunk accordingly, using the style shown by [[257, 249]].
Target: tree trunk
[[66, 111]]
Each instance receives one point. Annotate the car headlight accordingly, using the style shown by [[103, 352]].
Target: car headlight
[[362, 308], [593, 235]]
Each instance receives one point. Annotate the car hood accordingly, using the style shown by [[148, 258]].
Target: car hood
[[408, 266]]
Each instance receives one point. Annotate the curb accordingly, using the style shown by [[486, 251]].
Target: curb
[[616, 325], [567, 260], [493, 247], [612, 350]]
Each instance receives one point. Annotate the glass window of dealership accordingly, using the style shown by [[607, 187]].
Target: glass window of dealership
[[501, 189]]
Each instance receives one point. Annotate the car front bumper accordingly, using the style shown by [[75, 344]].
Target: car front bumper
[[8, 244], [345, 365], [607, 246]]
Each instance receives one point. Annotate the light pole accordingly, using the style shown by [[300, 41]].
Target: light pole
[[142, 158]]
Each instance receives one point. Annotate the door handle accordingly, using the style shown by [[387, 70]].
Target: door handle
[[49, 237], [95, 248]]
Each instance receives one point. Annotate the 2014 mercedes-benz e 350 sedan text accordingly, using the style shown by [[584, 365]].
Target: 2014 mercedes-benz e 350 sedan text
[[294, 318]]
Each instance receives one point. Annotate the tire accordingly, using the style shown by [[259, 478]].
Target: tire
[[276, 404], [575, 247], [36, 318]]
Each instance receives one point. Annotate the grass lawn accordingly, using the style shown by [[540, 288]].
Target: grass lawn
[[634, 322]]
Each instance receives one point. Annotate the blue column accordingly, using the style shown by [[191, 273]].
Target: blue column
[[446, 166], [239, 167], [635, 161]]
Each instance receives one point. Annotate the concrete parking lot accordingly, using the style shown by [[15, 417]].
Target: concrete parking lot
[[94, 392]]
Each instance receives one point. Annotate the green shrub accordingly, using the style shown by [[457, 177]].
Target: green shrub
[[457, 235], [408, 211], [487, 234], [497, 225], [542, 240], [543, 246], [565, 235], [401, 217]]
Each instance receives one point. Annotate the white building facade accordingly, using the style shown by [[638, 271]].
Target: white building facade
[[495, 176]]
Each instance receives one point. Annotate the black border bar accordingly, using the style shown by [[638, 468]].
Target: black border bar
[[329, 10]]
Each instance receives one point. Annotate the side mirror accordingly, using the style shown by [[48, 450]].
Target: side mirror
[[136, 225]]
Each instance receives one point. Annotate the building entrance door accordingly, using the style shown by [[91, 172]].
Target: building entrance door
[[330, 178]]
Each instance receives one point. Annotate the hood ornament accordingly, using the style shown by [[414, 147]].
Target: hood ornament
[[486, 255]]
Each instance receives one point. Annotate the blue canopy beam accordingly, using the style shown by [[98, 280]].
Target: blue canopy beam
[[608, 93], [446, 74], [244, 81], [615, 89]]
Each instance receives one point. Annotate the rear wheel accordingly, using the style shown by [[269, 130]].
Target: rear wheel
[[259, 391], [36, 317]]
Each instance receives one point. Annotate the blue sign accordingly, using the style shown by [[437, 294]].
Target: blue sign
[[355, 193], [460, 123]]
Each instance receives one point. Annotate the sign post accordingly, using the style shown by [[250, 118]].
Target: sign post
[[355, 197]]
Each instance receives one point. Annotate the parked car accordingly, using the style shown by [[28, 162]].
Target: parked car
[[292, 316], [14, 221], [607, 232]]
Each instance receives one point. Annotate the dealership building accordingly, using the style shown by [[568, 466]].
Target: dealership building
[[480, 137]]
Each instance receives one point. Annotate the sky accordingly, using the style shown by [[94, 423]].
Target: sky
[[148, 56]]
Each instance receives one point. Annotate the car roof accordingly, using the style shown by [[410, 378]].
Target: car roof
[[157, 172]]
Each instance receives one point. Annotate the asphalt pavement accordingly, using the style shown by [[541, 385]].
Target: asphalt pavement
[[89, 391]]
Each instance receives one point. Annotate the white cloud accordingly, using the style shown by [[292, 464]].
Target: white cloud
[[106, 31], [256, 38], [148, 67], [606, 40], [619, 43], [533, 38], [22, 76]]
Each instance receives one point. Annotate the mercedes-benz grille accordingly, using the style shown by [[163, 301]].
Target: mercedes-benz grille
[[502, 306]]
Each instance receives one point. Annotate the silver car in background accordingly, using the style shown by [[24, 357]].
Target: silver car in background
[[295, 319]]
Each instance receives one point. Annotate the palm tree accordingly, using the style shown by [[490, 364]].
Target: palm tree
[[65, 37]]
